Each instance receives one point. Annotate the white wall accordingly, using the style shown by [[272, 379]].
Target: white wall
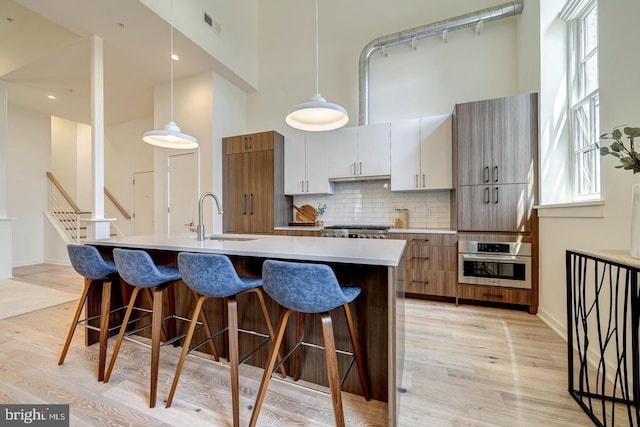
[[619, 92], [64, 154], [29, 154], [124, 154], [406, 84], [192, 111]]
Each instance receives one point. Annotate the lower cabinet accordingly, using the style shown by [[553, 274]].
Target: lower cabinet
[[495, 294], [430, 259]]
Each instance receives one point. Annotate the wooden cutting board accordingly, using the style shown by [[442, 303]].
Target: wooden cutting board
[[305, 213]]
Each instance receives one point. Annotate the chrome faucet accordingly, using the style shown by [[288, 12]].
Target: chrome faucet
[[200, 208]]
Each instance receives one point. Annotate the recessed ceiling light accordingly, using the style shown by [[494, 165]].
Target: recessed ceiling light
[[51, 97], [175, 57]]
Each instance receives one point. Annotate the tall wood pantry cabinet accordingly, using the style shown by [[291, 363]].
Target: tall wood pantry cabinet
[[253, 197], [496, 147]]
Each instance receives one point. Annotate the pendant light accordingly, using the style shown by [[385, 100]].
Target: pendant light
[[171, 136], [317, 114]]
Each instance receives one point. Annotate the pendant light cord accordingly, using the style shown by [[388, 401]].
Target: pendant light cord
[[317, 73], [171, 65]]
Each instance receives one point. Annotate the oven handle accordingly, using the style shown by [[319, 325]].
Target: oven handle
[[495, 258]]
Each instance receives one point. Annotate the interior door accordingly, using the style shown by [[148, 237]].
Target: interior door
[[182, 198], [143, 202]]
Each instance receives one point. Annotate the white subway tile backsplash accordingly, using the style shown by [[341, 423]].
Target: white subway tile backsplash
[[371, 203]]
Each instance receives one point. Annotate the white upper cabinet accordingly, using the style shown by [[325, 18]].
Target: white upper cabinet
[[421, 154], [374, 150], [303, 174], [337, 149]]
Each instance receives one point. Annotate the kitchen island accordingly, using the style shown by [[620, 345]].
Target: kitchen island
[[376, 266]]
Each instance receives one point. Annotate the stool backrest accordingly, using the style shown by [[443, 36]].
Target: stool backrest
[[88, 263], [209, 274], [137, 268], [309, 288]]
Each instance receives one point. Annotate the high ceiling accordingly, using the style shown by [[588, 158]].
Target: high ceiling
[[45, 49]]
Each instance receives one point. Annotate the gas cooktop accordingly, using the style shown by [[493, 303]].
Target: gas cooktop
[[358, 227]]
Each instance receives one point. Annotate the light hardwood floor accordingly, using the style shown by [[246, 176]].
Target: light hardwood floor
[[465, 366]]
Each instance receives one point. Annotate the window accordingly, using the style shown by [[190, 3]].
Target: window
[[584, 100]]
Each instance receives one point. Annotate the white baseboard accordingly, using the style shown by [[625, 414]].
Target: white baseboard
[[558, 327]]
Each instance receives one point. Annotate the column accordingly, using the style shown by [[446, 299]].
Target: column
[[5, 222]]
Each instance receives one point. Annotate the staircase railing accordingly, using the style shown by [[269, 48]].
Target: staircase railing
[[65, 211], [68, 217]]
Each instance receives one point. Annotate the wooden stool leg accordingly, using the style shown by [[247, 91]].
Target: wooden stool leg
[[297, 355], [156, 332], [266, 376], [357, 353], [232, 311], [149, 297], [207, 330], [74, 322], [104, 326], [332, 368], [267, 320], [123, 329], [185, 347]]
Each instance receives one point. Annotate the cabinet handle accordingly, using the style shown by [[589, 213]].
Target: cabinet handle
[[244, 204], [245, 143], [251, 204], [486, 194], [419, 240], [307, 186], [496, 195], [424, 258], [495, 169], [424, 282], [416, 180], [486, 174], [353, 166], [423, 181], [360, 168], [492, 295]]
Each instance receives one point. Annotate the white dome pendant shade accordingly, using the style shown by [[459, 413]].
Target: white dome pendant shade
[[171, 136], [318, 114]]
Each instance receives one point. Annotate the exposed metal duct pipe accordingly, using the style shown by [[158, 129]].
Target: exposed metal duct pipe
[[408, 36]]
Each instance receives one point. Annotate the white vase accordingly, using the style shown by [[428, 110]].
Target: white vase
[[635, 221]]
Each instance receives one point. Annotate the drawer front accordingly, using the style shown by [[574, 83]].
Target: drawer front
[[429, 239], [308, 233], [440, 258], [440, 283], [495, 294]]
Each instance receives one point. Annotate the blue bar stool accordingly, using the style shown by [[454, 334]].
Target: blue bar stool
[[310, 288], [214, 276], [88, 263], [138, 269]]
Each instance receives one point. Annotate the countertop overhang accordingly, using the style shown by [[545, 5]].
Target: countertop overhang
[[383, 252]]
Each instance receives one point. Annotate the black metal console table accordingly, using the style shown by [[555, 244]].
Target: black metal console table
[[602, 335]]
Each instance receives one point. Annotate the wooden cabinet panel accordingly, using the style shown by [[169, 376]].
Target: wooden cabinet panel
[[253, 187], [251, 142], [495, 294], [496, 146], [304, 233], [495, 208], [431, 263], [513, 130]]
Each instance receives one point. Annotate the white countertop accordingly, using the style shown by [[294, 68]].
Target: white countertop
[[613, 255], [348, 251]]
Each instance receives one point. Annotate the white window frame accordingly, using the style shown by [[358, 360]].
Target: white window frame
[[585, 178]]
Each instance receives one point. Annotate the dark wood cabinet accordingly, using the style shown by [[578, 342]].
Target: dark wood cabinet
[[253, 174], [430, 261], [496, 144]]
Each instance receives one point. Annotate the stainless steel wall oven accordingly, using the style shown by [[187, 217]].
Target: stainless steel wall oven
[[506, 264]]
